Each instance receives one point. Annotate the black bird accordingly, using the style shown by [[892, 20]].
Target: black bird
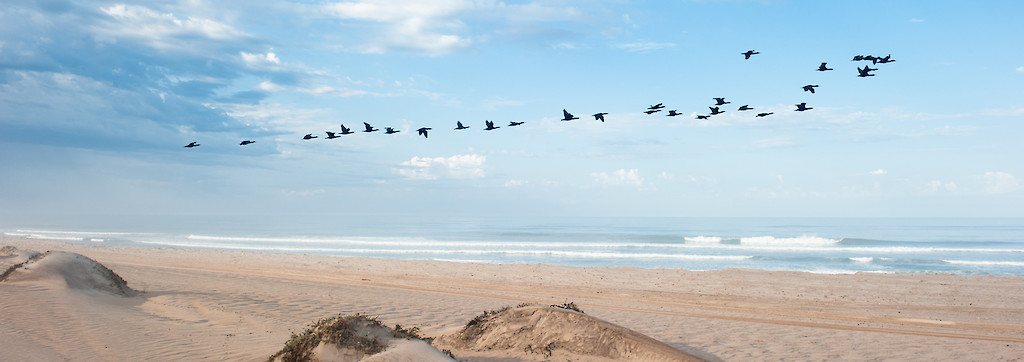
[[423, 131], [599, 116], [886, 59], [858, 58], [190, 145], [650, 111], [765, 114], [810, 88], [822, 67], [802, 107], [864, 72], [514, 123], [346, 130], [872, 58], [702, 116], [656, 106], [490, 126], [331, 135], [246, 142], [672, 113], [721, 101], [715, 111], [747, 54], [460, 126], [389, 130], [745, 107], [566, 116], [308, 136], [369, 128]]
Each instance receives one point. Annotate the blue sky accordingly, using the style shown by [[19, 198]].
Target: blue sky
[[98, 98]]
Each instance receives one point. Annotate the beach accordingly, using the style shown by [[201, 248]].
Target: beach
[[237, 305]]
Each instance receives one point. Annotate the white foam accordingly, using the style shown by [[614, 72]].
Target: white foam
[[797, 241], [982, 262], [864, 260], [703, 239]]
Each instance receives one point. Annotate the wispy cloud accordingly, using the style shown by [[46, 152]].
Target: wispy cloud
[[619, 177], [432, 168], [916, 20], [878, 172], [645, 46], [998, 182]]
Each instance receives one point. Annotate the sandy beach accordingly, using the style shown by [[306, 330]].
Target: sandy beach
[[204, 304]]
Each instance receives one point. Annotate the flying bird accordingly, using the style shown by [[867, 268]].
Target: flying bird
[[822, 67], [872, 58], [802, 107], [331, 135], [246, 142], [566, 116], [650, 111], [308, 136], [423, 131], [490, 126], [389, 130], [886, 59], [721, 101], [810, 88], [346, 130], [858, 58], [672, 113], [747, 54], [765, 114], [656, 106], [369, 128], [745, 107], [460, 126], [190, 145], [703, 116], [599, 116], [514, 123], [715, 111], [864, 72]]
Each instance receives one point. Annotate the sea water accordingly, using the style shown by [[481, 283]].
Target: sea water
[[963, 246]]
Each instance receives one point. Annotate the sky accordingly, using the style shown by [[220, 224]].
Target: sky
[[98, 99]]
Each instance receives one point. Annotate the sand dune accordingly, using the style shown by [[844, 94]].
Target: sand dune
[[75, 271], [193, 305]]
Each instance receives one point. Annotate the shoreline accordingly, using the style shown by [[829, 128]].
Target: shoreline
[[731, 314]]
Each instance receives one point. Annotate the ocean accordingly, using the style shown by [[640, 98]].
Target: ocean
[[962, 246]]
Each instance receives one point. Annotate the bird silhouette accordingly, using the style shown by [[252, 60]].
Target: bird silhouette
[[802, 107], [721, 101], [246, 142], [190, 145], [514, 123], [369, 128], [822, 67], [886, 59], [703, 116], [864, 72], [331, 135], [308, 136], [765, 114], [656, 106], [423, 131], [810, 88], [566, 116], [858, 58], [745, 108], [672, 113], [490, 126], [650, 111], [715, 111], [599, 116], [346, 130], [389, 130], [460, 126], [872, 58], [747, 54]]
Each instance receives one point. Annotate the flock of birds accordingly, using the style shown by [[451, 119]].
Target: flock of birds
[[566, 116]]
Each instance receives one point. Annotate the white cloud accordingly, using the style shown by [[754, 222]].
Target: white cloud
[[916, 20], [645, 46], [997, 182], [458, 166], [878, 172], [936, 186], [414, 26], [515, 183], [619, 177], [260, 60], [1020, 69], [163, 30]]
